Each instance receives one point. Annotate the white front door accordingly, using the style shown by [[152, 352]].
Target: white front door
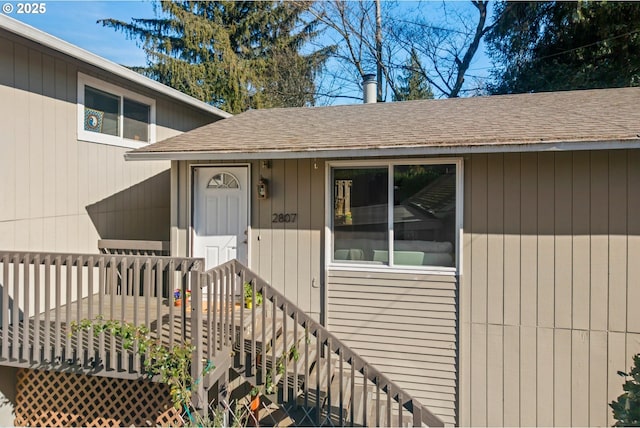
[[220, 214]]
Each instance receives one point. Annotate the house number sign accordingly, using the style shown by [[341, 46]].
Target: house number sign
[[283, 217]]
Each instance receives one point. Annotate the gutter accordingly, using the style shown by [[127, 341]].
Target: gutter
[[386, 151]]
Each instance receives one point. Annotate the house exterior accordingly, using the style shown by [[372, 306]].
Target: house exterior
[[66, 184], [67, 117], [481, 252]]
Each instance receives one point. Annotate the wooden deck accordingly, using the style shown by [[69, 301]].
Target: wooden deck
[[50, 340], [309, 375]]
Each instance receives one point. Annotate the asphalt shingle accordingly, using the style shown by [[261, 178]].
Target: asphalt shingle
[[573, 116]]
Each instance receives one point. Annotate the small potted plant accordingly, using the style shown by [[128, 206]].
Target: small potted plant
[[254, 405], [177, 297], [248, 296]]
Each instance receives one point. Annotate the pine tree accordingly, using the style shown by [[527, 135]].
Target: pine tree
[[414, 85], [556, 45], [235, 55]]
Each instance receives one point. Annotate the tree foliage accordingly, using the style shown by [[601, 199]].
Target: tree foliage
[[235, 55], [626, 409], [413, 84], [550, 46]]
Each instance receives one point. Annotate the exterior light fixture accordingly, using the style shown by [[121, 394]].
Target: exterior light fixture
[[263, 189]]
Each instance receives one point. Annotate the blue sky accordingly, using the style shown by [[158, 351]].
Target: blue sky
[[75, 22]]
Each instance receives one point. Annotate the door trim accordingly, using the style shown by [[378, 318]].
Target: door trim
[[192, 195]]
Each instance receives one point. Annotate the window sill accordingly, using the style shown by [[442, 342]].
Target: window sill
[[380, 268], [90, 137]]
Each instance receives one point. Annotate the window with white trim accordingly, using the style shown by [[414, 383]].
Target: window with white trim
[[398, 213], [109, 114]]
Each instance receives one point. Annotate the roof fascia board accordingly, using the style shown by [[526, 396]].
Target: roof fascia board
[[28, 32], [385, 152]]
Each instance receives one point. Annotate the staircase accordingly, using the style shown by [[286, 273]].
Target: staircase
[[305, 374]]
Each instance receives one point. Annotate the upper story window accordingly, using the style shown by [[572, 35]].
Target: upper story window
[[396, 214], [109, 114]]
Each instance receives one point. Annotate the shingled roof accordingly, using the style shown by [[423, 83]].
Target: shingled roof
[[542, 121]]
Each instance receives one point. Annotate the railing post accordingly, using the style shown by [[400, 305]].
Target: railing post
[[15, 308], [68, 304], [36, 309], [254, 306], [186, 281], [417, 415], [5, 306], [197, 389], [242, 360], [48, 285], [26, 334]]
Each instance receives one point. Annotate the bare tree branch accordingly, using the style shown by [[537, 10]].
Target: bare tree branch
[[376, 36], [463, 65]]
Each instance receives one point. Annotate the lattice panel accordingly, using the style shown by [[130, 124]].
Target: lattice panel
[[54, 399]]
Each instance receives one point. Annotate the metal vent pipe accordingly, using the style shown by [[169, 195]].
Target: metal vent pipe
[[369, 89]]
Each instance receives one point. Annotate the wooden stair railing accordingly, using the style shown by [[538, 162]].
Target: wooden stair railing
[[309, 372], [319, 379]]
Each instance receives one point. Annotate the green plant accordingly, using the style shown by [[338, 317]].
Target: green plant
[[254, 391], [294, 353], [171, 364], [269, 386], [626, 409], [237, 416], [248, 295]]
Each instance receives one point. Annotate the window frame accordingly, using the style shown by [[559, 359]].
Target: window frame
[[121, 93], [390, 163]]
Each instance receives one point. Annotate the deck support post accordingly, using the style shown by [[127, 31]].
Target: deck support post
[[198, 398]]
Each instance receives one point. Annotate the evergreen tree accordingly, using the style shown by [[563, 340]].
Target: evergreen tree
[[235, 55], [549, 46], [413, 83]]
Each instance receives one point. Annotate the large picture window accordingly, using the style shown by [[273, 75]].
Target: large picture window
[[399, 214], [112, 115]]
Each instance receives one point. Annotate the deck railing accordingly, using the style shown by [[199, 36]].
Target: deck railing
[[42, 293], [277, 344], [273, 344], [134, 247]]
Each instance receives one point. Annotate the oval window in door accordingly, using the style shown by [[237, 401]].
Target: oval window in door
[[223, 180]]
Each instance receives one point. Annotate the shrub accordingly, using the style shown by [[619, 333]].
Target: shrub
[[626, 409], [172, 364]]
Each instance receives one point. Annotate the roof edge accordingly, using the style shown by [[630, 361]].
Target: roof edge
[[560, 146], [31, 33]]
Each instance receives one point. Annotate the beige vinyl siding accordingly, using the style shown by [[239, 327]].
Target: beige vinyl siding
[[61, 194], [287, 255], [404, 324], [547, 317]]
